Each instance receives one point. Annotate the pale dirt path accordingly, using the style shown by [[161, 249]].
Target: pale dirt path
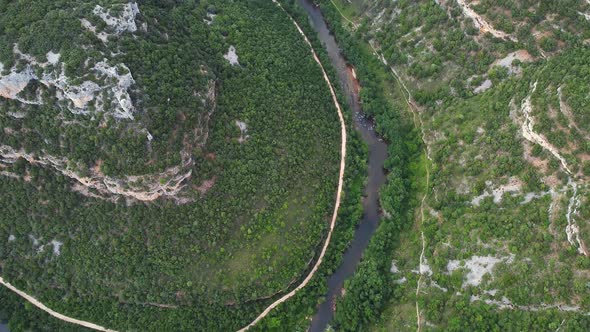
[[57, 315], [416, 115], [419, 285], [287, 296], [354, 25], [338, 194]]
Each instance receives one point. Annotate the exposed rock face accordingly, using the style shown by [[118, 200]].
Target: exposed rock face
[[103, 36], [484, 86], [232, 56], [482, 24], [243, 131], [168, 183], [507, 61], [124, 107], [53, 58], [120, 24], [12, 84], [100, 91], [528, 132], [143, 188], [117, 25], [79, 95], [107, 77], [477, 267], [527, 129]]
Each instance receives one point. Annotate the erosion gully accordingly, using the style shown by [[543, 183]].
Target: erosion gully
[[376, 176]]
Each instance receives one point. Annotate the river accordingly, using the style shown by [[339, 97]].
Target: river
[[376, 176]]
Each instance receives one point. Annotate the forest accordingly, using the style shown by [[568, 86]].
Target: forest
[[216, 136], [263, 173]]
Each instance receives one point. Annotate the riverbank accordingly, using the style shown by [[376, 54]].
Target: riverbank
[[348, 216], [376, 175], [372, 285], [343, 147]]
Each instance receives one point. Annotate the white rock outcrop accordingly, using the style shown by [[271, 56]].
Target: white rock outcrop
[[122, 23], [15, 82], [80, 95], [142, 188], [477, 267], [232, 56]]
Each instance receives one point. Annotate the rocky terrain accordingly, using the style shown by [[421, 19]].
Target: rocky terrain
[[103, 93], [505, 221]]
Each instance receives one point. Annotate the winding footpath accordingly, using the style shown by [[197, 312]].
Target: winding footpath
[[418, 125], [315, 268], [354, 25], [57, 315], [338, 194]]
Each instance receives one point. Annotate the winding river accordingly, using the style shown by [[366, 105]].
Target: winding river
[[376, 176]]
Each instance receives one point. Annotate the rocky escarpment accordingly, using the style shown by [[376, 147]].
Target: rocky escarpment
[[101, 91], [143, 188], [527, 130], [115, 80]]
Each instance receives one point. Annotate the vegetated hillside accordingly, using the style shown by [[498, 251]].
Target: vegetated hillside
[[95, 93], [501, 240], [164, 165]]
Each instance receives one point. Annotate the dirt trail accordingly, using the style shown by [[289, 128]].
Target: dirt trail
[[354, 25], [338, 194], [418, 123], [57, 315], [412, 106], [422, 260], [419, 285]]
